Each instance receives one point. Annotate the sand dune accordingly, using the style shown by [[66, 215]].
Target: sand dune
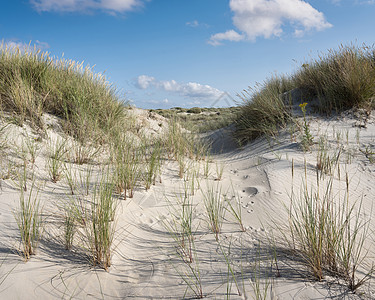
[[144, 260]]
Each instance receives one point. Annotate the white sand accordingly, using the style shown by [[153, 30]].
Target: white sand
[[144, 263]]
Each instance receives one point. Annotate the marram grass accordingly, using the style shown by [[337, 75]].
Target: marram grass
[[33, 83], [339, 80]]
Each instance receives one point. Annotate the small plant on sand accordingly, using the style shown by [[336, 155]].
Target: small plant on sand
[[152, 165], [231, 270], [192, 177], [260, 282], [71, 177], [82, 153], [55, 159], [235, 208], [31, 148], [29, 221], [181, 165], [100, 227], [127, 170], [215, 208], [328, 233], [327, 163], [3, 137], [369, 153], [69, 227], [191, 275], [206, 166], [219, 171], [307, 139], [180, 227]]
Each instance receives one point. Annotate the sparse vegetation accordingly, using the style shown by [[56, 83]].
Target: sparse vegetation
[[29, 221], [55, 160], [100, 226], [328, 233], [215, 208], [263, 110], [339, 80]]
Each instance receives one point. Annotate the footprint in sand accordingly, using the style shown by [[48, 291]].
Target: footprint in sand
[[145, 219], [250, 191]]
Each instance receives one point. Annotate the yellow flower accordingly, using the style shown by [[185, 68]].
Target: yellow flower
[[303, 105]]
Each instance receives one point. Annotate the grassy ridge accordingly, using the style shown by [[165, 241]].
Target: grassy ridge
[[32, 83], [339, 80], [263, 111]]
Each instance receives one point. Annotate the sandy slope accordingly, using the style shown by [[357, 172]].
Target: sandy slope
[[144, 263]]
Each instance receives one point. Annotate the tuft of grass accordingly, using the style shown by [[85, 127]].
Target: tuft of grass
[[231, 271], [180, 142], [180, 227], [219, 171], [55, 160], [29, 221], [215, 208], [263, 111], [71, 177], [235, 209], [127, 160], [260, 282], [30, 148], [84, 178], [153, 164], [307, 138], [81, 153], [100, 227], [341, 79], [328, 233], [192, 276], [69, 227], [369, 153]]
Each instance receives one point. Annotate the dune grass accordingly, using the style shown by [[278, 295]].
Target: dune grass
[[263, 110], [341, 79], [328, 233], [32, 83], [29, 220], [215, 208], [336, 81], [55, 160], [235, 208], [101, 229]]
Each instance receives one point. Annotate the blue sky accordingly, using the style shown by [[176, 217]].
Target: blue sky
[[166, 53]]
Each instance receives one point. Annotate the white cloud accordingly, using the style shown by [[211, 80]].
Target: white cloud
[[256, 18], [15, 44], [190, 89], [194, 23], [114, 6], [229, 35], [144, 81]]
